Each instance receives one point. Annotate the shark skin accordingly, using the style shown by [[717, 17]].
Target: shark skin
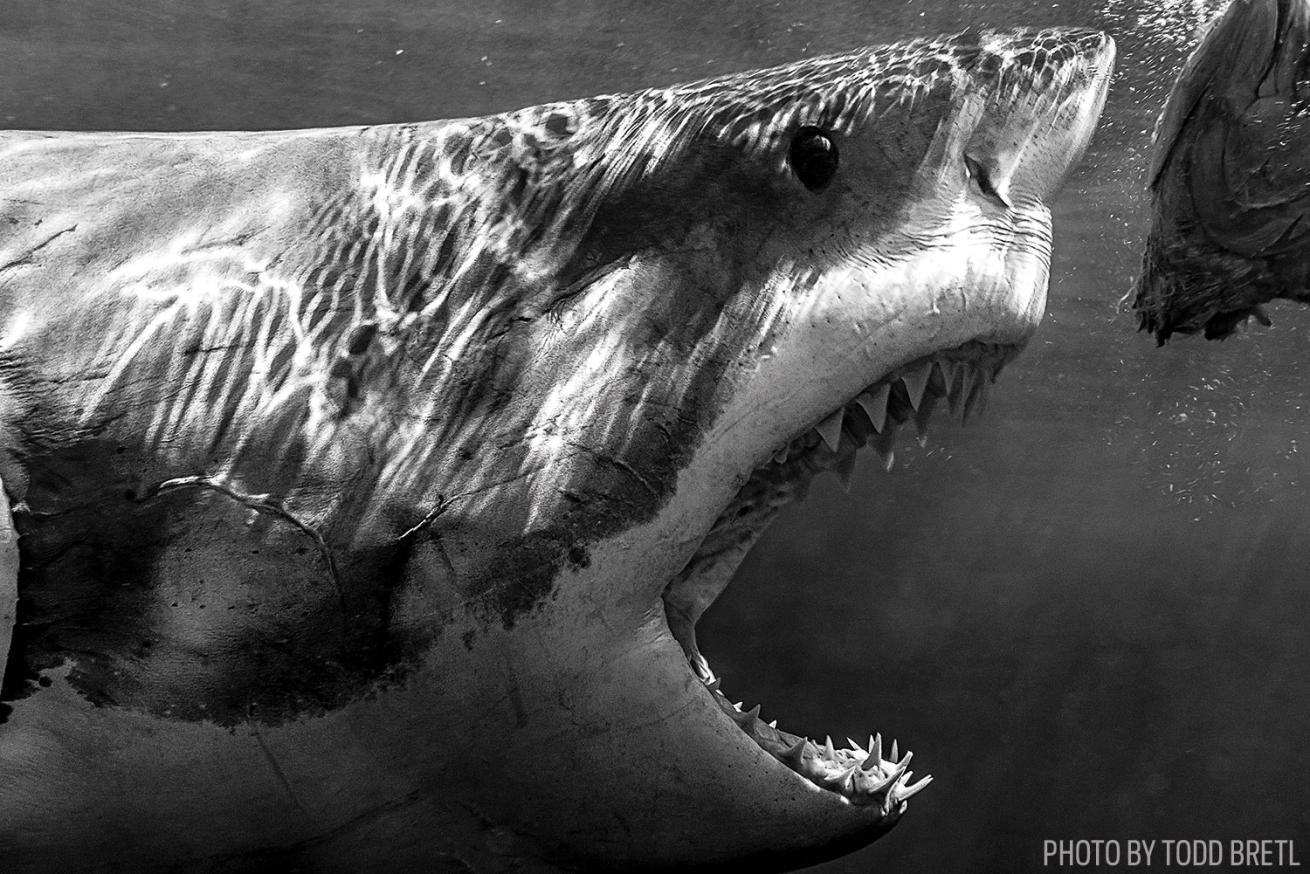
[[368, 482], [1230, 177]]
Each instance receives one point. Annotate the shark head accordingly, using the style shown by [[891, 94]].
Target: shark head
[[1229, 181], [735, 284], [445, 435]]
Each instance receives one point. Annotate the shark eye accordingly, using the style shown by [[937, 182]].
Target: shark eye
[[813, 158], [981, 178]]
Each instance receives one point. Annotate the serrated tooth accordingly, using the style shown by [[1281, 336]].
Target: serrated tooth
[[701, 667], [937, 384], [892, 777], [957, 397], [895, 756], [794, 755], [875, 406], [916, 382], [841, 777], [875, 753], [854, 745], [746, 720], [714, 685], [898, 771], [882, 444], [828, 751], [921, 419], [845, 469], [976, 401], [813, 767], [830, 430], [773, 723], [949, 368], [907, 791]]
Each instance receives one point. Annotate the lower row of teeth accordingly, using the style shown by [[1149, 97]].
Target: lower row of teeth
[[859, 774]]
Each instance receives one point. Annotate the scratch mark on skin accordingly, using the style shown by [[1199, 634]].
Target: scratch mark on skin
[[277, 770], [26, 257], [284, 855], [230, 242], [258, 503], [514, 695], [619, 463], [427, 519], [524, 473], [221, 347]]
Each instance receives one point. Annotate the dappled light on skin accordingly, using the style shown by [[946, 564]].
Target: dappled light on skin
[[499, 404]]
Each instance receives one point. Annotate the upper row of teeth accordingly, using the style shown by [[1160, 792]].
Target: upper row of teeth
[[861, 775], [962, 383]]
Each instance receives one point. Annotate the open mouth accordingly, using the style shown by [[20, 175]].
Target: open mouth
[[960, 376]]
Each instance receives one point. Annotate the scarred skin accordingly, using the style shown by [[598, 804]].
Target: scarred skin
[[1230, 176], [352, 468]]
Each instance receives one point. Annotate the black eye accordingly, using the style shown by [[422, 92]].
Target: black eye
[[978, 173], [813, 157]]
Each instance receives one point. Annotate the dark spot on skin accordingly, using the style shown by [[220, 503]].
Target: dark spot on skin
[[360, 337], [468, 638], [95, 575], [533, 573], [579, 557], [561, 124], [458, 154]]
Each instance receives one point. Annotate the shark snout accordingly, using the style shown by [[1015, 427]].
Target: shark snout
[[1046, 91]]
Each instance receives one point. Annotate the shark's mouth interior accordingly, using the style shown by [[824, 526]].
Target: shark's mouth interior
[[960, 376]]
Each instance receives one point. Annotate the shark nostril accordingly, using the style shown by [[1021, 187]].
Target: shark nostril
[[813, 157], [982, 178]]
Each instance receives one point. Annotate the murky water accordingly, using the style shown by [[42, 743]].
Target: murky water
[[1087, 612]]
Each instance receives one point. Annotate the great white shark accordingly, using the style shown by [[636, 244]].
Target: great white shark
[[366, 484]]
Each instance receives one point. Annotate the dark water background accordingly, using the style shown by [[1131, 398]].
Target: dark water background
[[1087, 612]]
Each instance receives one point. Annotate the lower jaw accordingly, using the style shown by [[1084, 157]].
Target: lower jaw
[[858, 774]]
